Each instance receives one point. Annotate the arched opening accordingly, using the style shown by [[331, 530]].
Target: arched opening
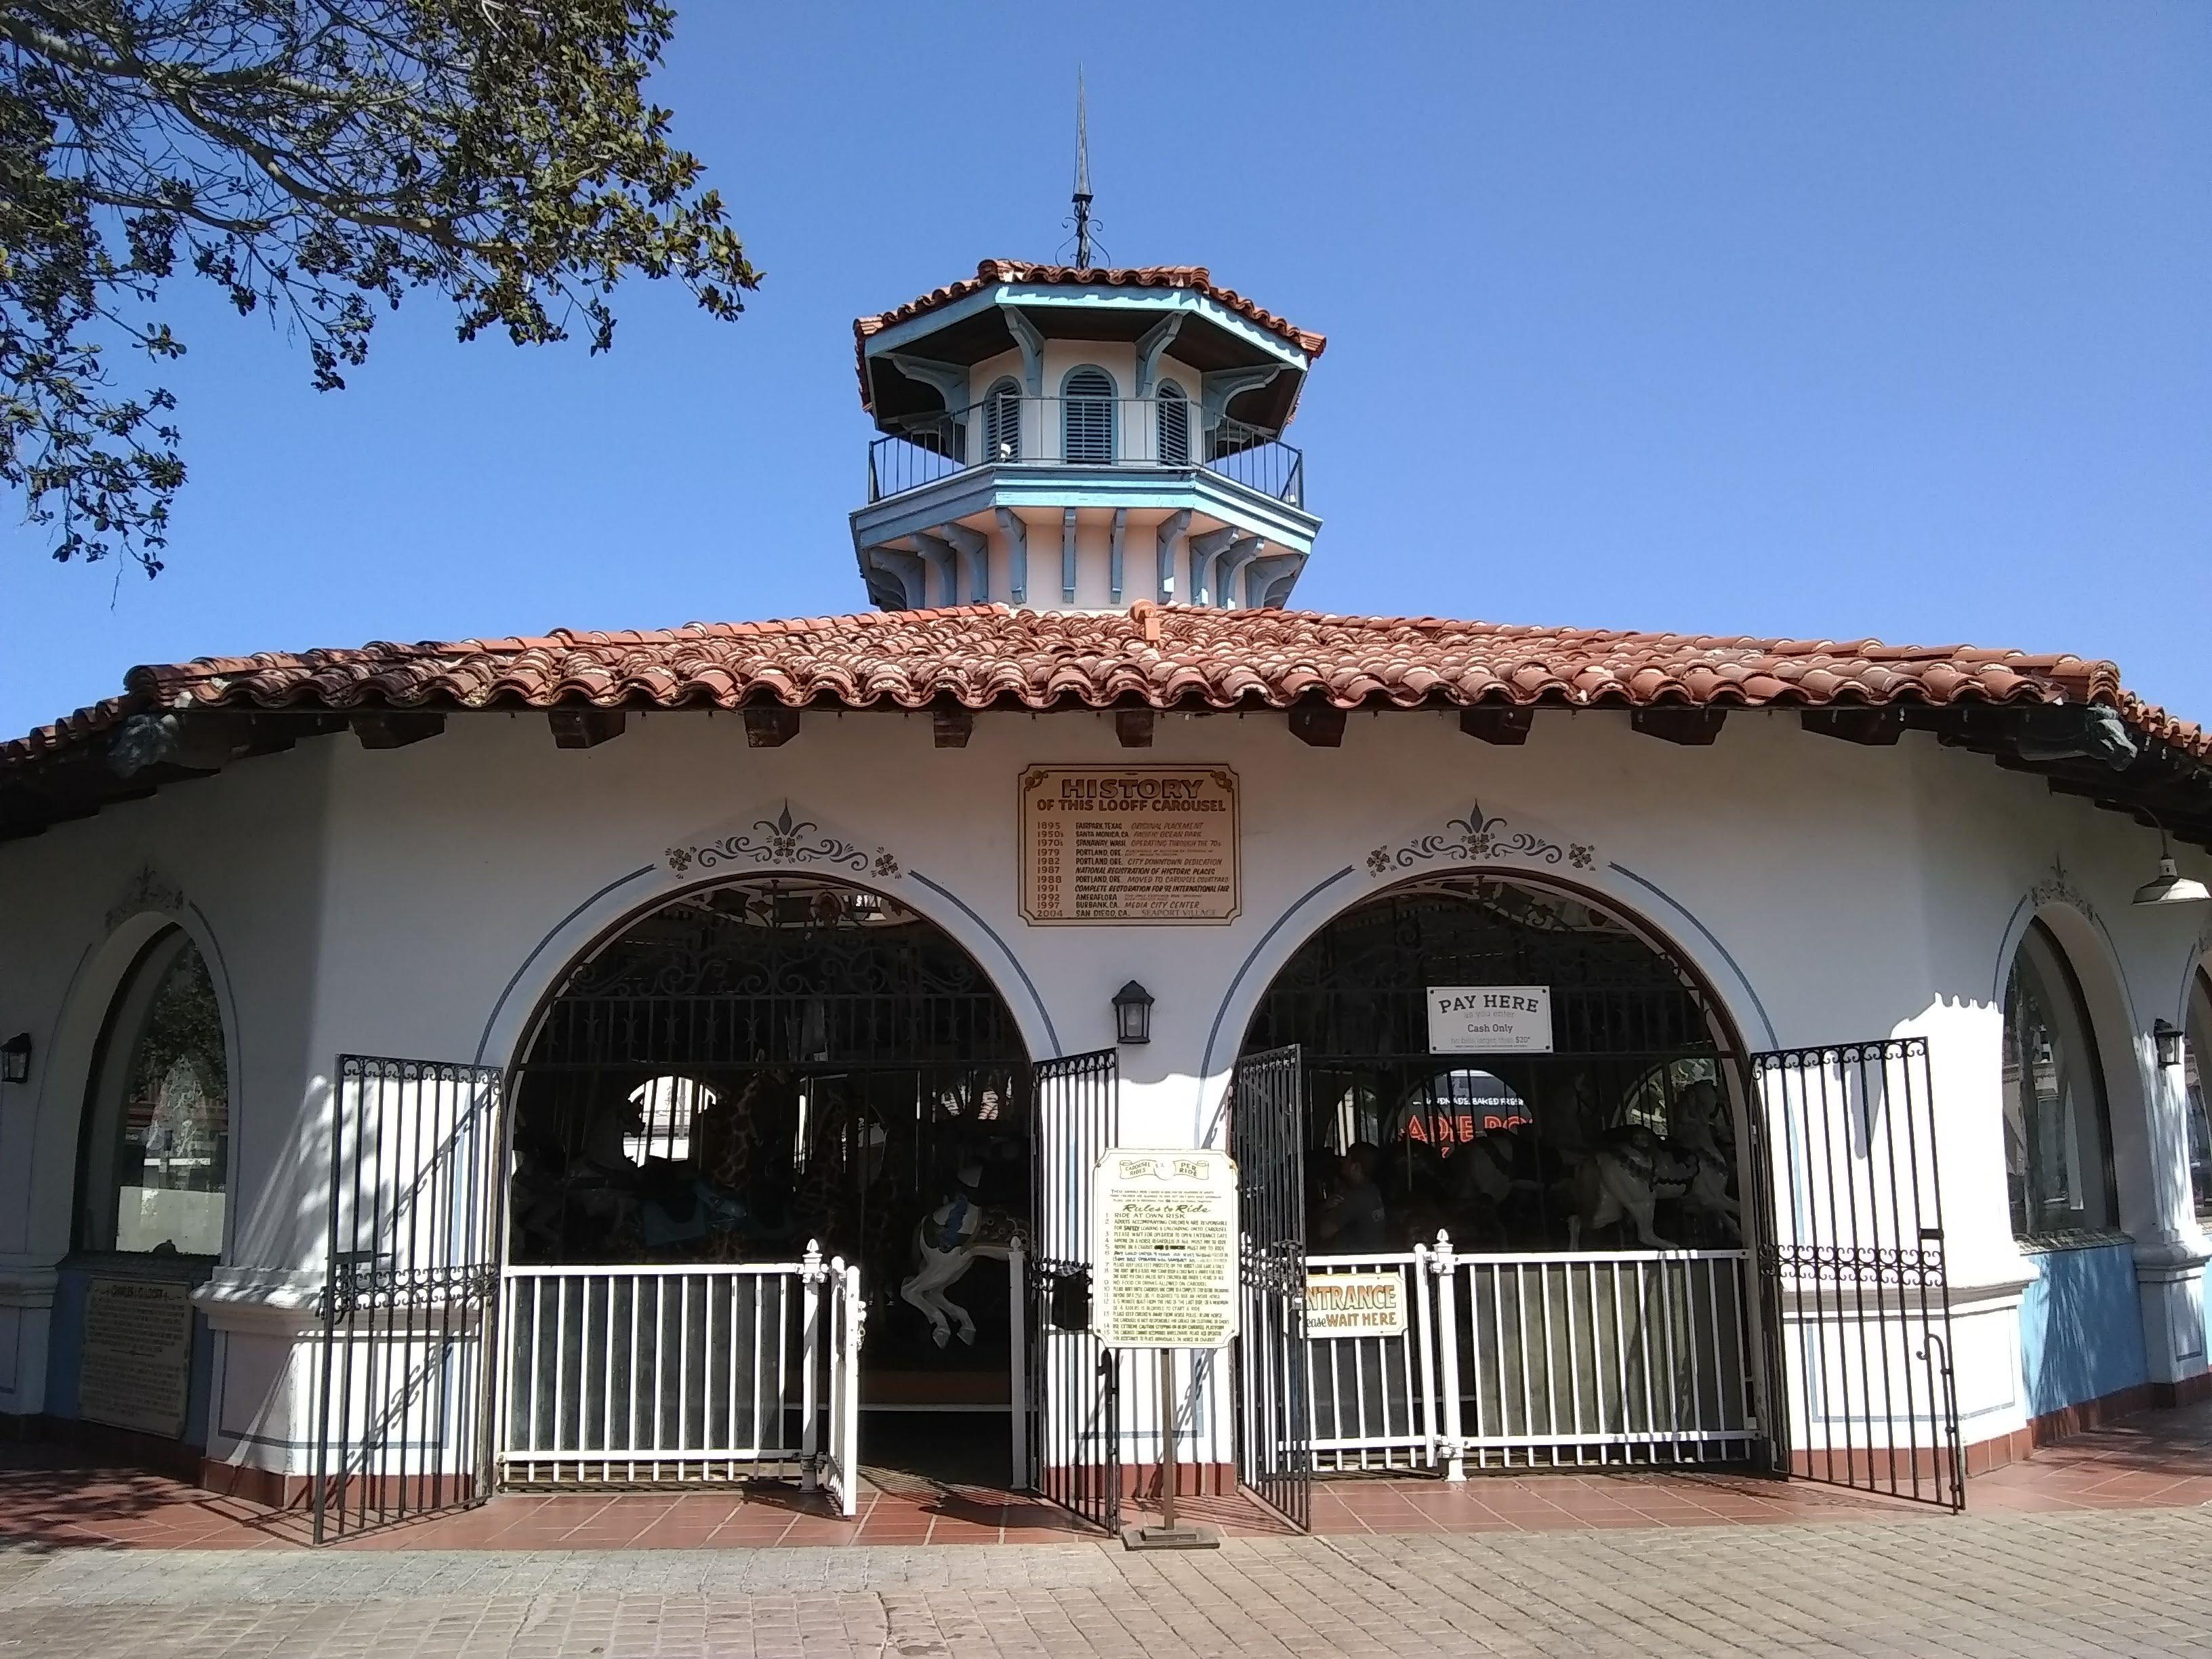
[[1626, 1049], [1512, 1082], [149, 1223], [1174, 416], [781, 1060], [2081, 1170], [2196, 1089], [2057, 1123], [1002, 422], [1086, 416], [156, 1140]]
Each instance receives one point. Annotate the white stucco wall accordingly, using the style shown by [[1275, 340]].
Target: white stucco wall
[[418, 902]]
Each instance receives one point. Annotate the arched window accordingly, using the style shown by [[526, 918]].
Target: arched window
[[2197, 1081], [1175, 425], [1086, 416], [1002, 423], [157, 1130], [2057, 1131]]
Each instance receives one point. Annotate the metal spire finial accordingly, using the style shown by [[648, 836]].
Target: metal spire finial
[[1083, 251]]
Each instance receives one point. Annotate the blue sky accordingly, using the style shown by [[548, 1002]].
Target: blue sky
[[1815, 320]]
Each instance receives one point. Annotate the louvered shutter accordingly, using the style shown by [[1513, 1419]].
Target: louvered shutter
[[1087, 417], [1175, 425], [1002, 423]]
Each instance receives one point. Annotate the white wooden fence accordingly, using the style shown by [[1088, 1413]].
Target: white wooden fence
[[1552, 1358], [695, 1374]]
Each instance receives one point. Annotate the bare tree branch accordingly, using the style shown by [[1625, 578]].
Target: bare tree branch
[[313, 156]]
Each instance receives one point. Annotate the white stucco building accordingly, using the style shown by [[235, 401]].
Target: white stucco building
[[715, 941]]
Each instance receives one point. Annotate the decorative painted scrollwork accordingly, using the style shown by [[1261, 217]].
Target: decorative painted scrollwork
[[785, 839], [1477, 839], [2058, 888], [147, 890]]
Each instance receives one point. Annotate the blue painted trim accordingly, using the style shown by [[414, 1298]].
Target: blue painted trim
[[1204, 551], [1050, 485], [537, 949], [1215, 392], [1018, 553], [1009, 295], [1163, 541], [938, 553], [1712, 939], [1012, 960], [975, 556], [1150, 344], [2008, 947], [1113, 558], [1067, 555], [1241, 552], [1268, 579], [948, 380], [1221, 1012], [1099, 369], [1032, 348]]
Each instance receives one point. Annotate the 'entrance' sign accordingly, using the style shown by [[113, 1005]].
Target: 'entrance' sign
[[1489, 1019], [1165, 1250], [1106, 844], [1355, 1304], [137, 1355]]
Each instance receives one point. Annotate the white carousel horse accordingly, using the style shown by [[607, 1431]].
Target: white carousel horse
[[1632, 1169], [945, 1245]]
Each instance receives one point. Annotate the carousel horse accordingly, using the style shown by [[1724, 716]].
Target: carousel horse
[[945, 1245], [1631, 1171]]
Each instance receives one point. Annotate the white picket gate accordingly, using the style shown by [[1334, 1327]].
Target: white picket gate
[[623, 1376], [1377, 1400], [1558, 1358]]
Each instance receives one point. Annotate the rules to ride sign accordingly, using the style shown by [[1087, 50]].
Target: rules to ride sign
[[1166, 1249]]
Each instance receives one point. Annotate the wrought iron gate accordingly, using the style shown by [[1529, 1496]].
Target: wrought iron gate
[[1274, 1418], [1855, 1300], [400, 1424], [1074, 1404]]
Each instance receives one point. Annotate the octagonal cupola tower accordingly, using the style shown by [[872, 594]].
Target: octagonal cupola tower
[[1081, 437]]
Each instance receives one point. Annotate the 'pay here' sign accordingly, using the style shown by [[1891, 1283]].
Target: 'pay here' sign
[[1489, 1019]]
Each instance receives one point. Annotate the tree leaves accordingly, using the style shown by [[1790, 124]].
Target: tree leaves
[[318, 160]]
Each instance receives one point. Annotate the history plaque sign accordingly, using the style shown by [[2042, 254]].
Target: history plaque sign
[[1109, 844], [1166, 1249], [137, 1355]]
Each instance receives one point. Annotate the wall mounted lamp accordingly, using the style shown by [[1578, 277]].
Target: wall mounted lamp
[[2166, 1039], [1132, 1013], [15, 1058], [2169, 886]]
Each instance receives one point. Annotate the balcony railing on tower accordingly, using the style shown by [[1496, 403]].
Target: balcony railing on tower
[[1134, 432]]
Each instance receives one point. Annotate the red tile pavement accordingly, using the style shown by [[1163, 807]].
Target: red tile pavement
[[2157, 1459]]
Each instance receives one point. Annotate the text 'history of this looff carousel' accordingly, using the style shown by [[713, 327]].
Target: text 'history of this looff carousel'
[[1105, 844]]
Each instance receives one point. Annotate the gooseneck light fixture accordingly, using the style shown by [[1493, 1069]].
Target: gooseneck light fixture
[[2169, 886], [1132, 1013]]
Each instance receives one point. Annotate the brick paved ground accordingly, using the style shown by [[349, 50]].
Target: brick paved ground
[[2096, 1547], [2107, 1583]]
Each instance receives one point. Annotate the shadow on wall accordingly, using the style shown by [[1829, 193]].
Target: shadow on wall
[[2080, 1327]]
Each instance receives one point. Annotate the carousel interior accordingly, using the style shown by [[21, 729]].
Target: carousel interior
[[774, 1063], [1622, 1136]]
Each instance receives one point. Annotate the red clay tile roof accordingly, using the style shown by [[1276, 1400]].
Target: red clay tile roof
[[1195, 277], [989, 656]]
